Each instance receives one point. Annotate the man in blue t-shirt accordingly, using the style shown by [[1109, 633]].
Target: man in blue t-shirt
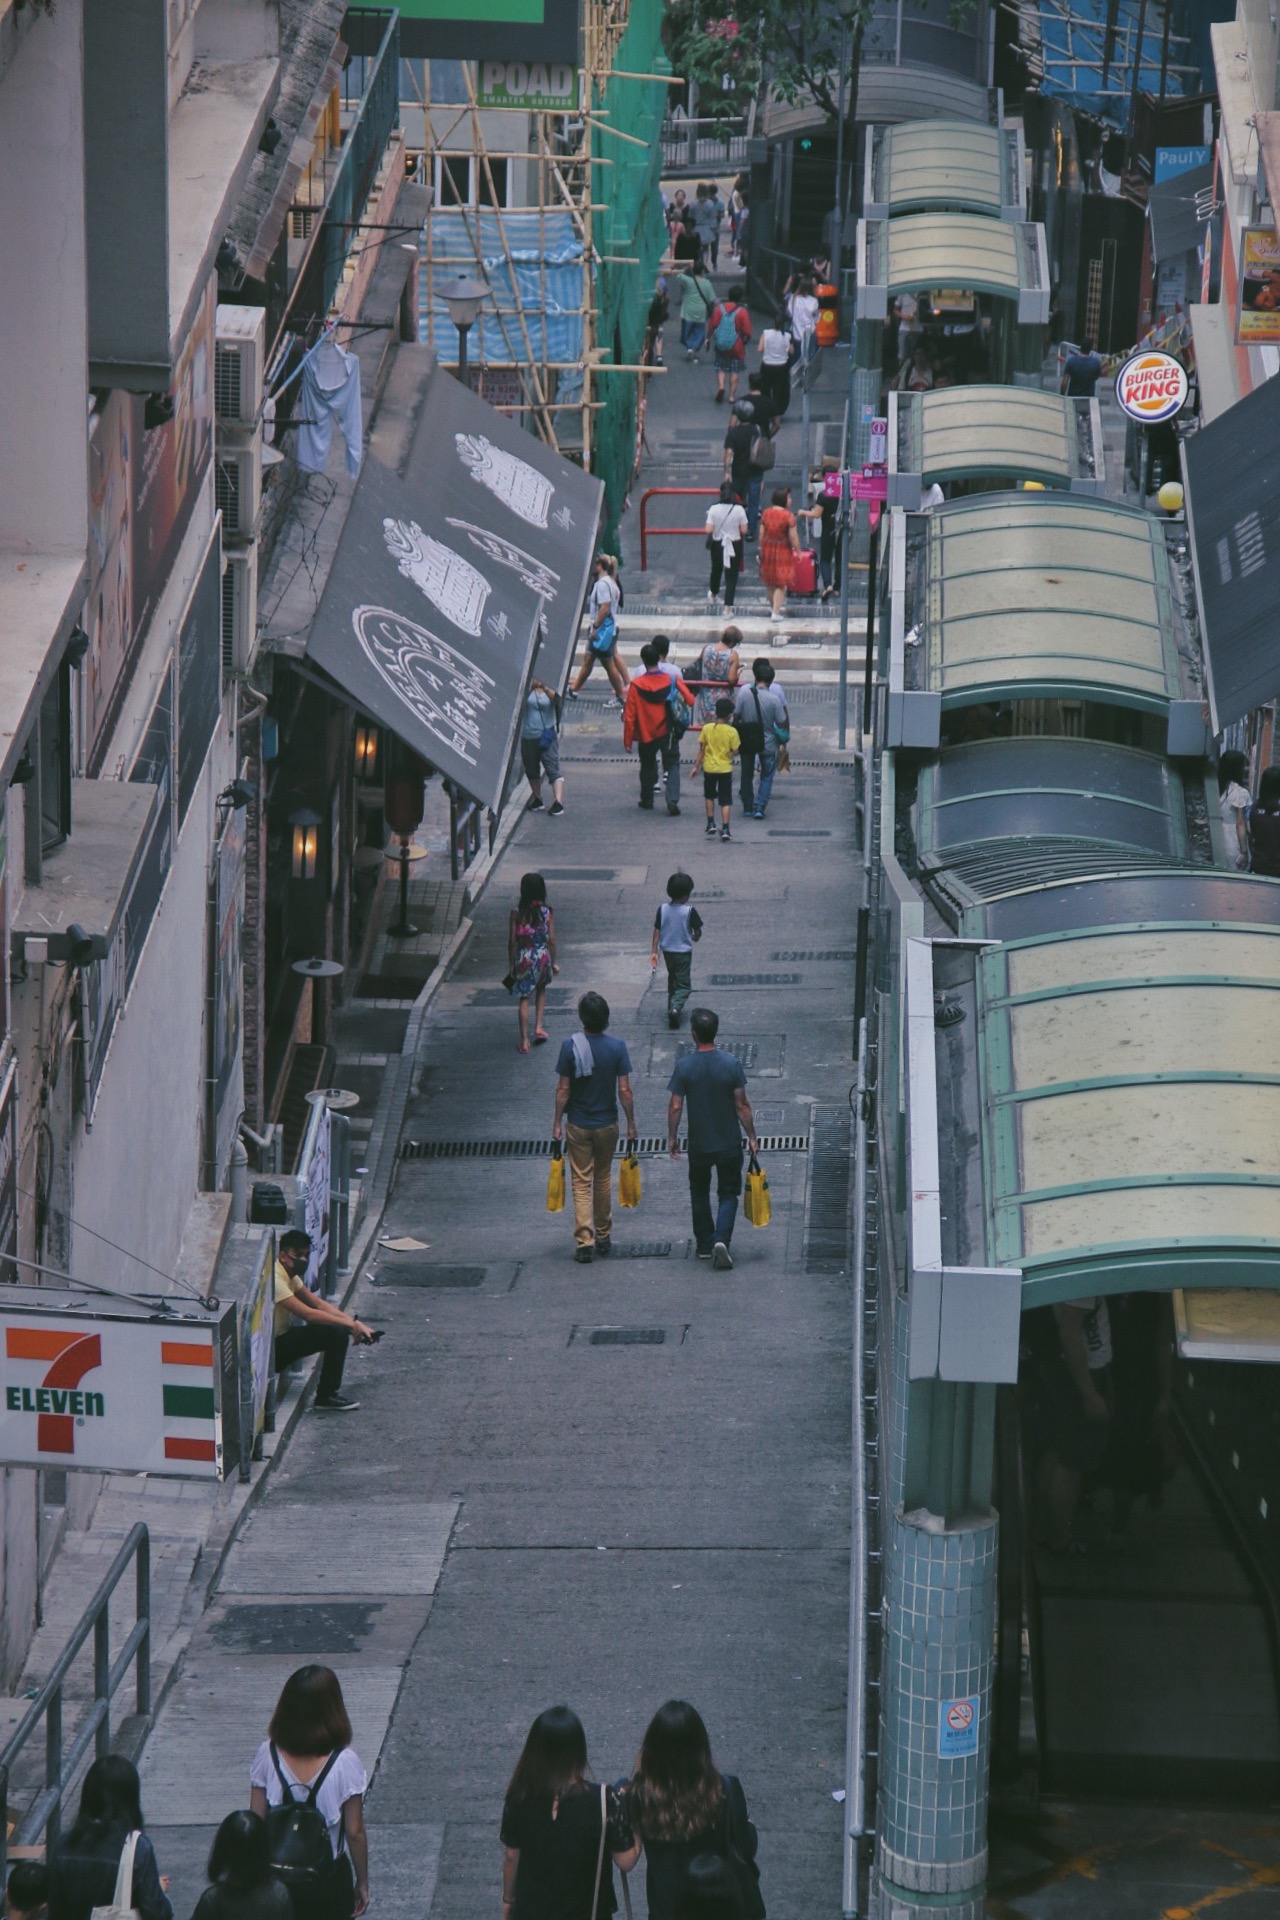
[[1081, 371], [595, 1074], [715, 1089]]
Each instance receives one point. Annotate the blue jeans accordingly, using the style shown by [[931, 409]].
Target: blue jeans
[[728, 1172], [754, 484], [768, 758], [693, 334]]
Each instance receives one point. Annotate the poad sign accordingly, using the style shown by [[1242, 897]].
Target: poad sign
[[123, 1392], [539, 86], [1152, 387]]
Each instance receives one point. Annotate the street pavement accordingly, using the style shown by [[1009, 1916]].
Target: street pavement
[[604, 1486]]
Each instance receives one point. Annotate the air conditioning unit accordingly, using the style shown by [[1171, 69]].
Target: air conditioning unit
[[238, 490], [239, 611], [302, 221], [239, 346]]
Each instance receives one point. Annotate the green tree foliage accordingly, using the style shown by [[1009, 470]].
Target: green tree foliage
[[800, 49]]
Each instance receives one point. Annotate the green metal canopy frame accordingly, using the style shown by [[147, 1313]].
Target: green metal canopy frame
[[923, 251], [992, 433], [1130, 1106], [956, 164]]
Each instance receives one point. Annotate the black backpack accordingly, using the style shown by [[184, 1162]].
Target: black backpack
[[298, 1837]]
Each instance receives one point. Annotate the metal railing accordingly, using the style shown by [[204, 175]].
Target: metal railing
[[646, 530], [703, 145], [44, 1815]]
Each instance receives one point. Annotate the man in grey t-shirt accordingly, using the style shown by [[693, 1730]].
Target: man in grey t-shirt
[[761, 717], [715, 1089]]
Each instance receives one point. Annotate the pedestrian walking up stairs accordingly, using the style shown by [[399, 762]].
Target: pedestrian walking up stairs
[[806, 639]]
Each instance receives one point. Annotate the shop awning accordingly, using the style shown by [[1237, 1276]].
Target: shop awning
[[465, 535], [1232, 483], [992, 433], [919, 252], [959, 164], [1178, 210]]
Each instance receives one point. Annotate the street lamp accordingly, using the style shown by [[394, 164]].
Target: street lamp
[[462, 297]]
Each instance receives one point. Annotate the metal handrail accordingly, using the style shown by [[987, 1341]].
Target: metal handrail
[[45, 1812], [646, 529], [855, 1768]]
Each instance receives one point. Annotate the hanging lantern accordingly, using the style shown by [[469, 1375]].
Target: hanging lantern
[[306, 843]]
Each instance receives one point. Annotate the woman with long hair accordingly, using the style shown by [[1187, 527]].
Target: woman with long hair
[[557, 1825], [604, 604], [531, 956], [82, 1873], [241, 1883], [681, 1806], [307, 1756]]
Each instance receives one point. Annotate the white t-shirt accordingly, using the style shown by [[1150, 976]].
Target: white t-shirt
[[727, 522], [604, 597], [775, 347], [346, 1778], [804, 314]]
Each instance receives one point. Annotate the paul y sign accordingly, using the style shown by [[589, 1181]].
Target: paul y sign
[[1152, 387]]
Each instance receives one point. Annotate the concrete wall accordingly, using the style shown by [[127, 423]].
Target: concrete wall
[[43, 395]]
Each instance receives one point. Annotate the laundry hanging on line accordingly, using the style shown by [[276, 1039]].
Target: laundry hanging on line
[[330, 390]]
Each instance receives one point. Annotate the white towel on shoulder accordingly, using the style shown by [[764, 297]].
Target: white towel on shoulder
[[584, 1062]]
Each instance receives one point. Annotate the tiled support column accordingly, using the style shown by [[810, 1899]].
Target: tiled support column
[[931, 1849]]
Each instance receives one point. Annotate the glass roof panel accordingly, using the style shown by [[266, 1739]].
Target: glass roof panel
[[952, 250], [1149, 1219], [943, 163]]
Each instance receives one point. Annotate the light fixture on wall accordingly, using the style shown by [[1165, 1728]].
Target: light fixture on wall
[[232, 799], [306, 842], [366, 751], [462, 296]]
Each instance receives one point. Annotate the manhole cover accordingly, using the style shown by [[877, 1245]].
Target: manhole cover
[[426, 1273], [627, 1336], [322, 1626], [744, 1050], [641, 1249], [753, 980]]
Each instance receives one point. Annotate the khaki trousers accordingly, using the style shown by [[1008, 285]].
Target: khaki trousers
[[591, 1151]]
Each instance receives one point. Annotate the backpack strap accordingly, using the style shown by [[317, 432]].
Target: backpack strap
[[321, 1777], [287, 1786]]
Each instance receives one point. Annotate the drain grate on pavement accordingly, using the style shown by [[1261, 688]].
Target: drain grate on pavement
[[580, 873], [648, 1144], [427, 1273], [815, 953], [753, 980], [557, 997], [799, 833], [282, 1626], [642, 1250]]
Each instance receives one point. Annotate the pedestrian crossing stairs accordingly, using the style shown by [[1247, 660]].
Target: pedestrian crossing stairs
[[807, 636]]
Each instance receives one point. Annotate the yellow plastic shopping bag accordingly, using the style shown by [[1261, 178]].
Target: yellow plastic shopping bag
[[628, 1181], [555, 1180], [757, 1205]]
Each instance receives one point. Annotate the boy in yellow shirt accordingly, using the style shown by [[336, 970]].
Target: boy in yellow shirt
[[716, 749]]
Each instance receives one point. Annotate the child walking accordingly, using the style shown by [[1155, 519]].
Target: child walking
[[716, 748], [676, 926], [531, 955]]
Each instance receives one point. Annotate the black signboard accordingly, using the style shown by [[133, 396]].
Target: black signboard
[[1231, 470], [199, 676], [536, 30], [456, 546]]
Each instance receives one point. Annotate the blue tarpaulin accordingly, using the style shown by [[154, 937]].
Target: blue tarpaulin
[[538, 274], [1065, 43]]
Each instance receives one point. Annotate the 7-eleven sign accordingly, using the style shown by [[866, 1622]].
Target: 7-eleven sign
[[151, 1392]]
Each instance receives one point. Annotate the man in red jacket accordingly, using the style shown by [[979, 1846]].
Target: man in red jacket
[[646, 719]]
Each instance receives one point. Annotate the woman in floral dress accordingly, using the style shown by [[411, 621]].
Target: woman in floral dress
[[531, 955]]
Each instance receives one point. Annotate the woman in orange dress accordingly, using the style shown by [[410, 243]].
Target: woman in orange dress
[[779, 544]]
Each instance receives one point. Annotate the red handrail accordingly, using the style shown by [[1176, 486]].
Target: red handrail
[[646, 529]]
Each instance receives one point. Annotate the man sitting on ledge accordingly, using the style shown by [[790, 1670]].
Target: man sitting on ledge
[[304, 1323]]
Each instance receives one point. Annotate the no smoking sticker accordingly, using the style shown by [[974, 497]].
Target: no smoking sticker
[[958, 1722]]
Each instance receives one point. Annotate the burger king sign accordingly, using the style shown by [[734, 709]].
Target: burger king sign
[[1152, 387]]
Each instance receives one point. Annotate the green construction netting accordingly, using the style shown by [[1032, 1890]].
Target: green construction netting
[[630, 239]]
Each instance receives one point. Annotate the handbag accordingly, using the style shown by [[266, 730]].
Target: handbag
[[756, 1204], [751, 732], [603, 636], [739, 1850], [629, 1181], [122, 1907], [555, 1179]]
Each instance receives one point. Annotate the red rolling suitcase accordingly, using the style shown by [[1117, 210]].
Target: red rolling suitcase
[[805, 578]]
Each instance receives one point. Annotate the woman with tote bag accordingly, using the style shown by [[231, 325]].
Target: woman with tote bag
[[106, 1861]]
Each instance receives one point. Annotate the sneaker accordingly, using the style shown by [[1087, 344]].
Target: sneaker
[[703, 1253], [711, 829], [673, 810], [569, 694], [711, 600], [725, 834], [673, 1019], [583, 1256], [758, 814], [335, 1403], [534, 806], [646, 806], [721, 1258], [604, 1248], [554, 811], [719, 396]]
